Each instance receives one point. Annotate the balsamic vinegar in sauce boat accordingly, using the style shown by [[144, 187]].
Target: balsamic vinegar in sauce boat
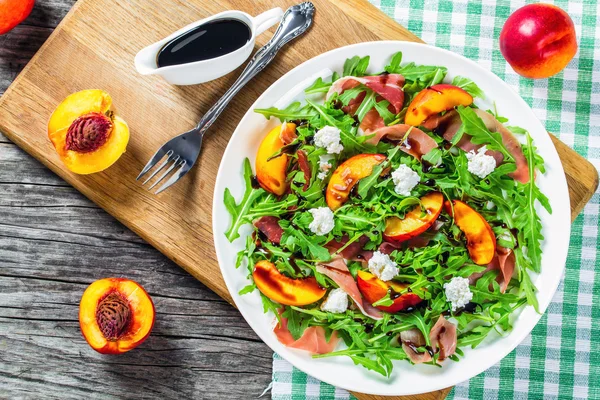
[[211, 40]]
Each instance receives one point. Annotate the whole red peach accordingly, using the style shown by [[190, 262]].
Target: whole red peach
[[538, 40], [13, 12]]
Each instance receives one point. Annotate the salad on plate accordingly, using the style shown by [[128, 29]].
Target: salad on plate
[[392, 214]]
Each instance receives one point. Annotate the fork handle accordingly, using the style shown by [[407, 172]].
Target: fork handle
[[296, 20]]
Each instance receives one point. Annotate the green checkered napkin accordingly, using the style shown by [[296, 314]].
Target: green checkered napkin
[[561, 357]]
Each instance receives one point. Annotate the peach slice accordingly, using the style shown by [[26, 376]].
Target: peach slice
[[115, 315], [481, 241], [271, 174], [347, 175], [86, 134], [374, 289], [433, 100], [413, 224], [285, 290]]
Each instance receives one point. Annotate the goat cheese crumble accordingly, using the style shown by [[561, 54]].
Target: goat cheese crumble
[[329, 138], [405, 180], [458, 292], [336, 302], [480, 164], [382, 266], [324, 166], [322, 222]]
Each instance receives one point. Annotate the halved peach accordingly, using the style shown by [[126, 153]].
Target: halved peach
[[285, 290], [347, 175], [433, 100], [115, 315], [481, 241], [86, 134], [271, 174], [414, 223], [374, 289]]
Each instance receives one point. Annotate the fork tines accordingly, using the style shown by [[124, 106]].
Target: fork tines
[[173, 165]]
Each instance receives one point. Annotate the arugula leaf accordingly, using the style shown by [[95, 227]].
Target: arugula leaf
[[350, 94], [308, 247], [474, 126], [367, 104], [356, 66], [292, 112], [366, 183], [532, 230], [247, 289], [384, 112], [238, 211], [384, 301], [350, 141], [270, 305], [468, 86], [517, 129], [394, 64], [428, 75], [296, 322], [319, 86], [434, 156]]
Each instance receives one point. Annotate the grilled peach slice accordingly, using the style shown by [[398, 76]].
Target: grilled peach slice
[[115, 315], [86, 134], [374, 289], [433, 100], [284, 290], [271, 175], [481, 241], [414, 223], [347, 175]]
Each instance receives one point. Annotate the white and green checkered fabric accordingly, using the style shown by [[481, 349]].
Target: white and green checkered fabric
[[561, 357]]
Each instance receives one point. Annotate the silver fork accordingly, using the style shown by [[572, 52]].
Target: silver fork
[[181, 152]]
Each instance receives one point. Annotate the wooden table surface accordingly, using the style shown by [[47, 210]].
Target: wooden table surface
[[54, 242]]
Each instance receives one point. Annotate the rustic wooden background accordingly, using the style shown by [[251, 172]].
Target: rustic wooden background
[[54, 242]]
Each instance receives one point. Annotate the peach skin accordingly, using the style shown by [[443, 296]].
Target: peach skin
[[347, 175], [433, 100], [285, 290], [86, 134], [115, 315], [538, 40], [414, 223], [271, 174], [13, 12], [481, 241], [374, 289]]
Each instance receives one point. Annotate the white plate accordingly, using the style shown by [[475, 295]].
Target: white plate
[[406, 379]]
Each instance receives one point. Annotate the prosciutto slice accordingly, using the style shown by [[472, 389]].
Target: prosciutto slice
[[417, 143], [269, 226], [449, 124], [411, 340], [442, 336], [312, 340], [510, 142], [304, 167], [388, 86], [503, 261], [353, 104], [370, 123], [337, 270]]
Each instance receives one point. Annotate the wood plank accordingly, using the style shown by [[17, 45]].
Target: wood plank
[[87, 50]]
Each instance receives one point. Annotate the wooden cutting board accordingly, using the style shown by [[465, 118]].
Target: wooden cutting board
[[94, 47]]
